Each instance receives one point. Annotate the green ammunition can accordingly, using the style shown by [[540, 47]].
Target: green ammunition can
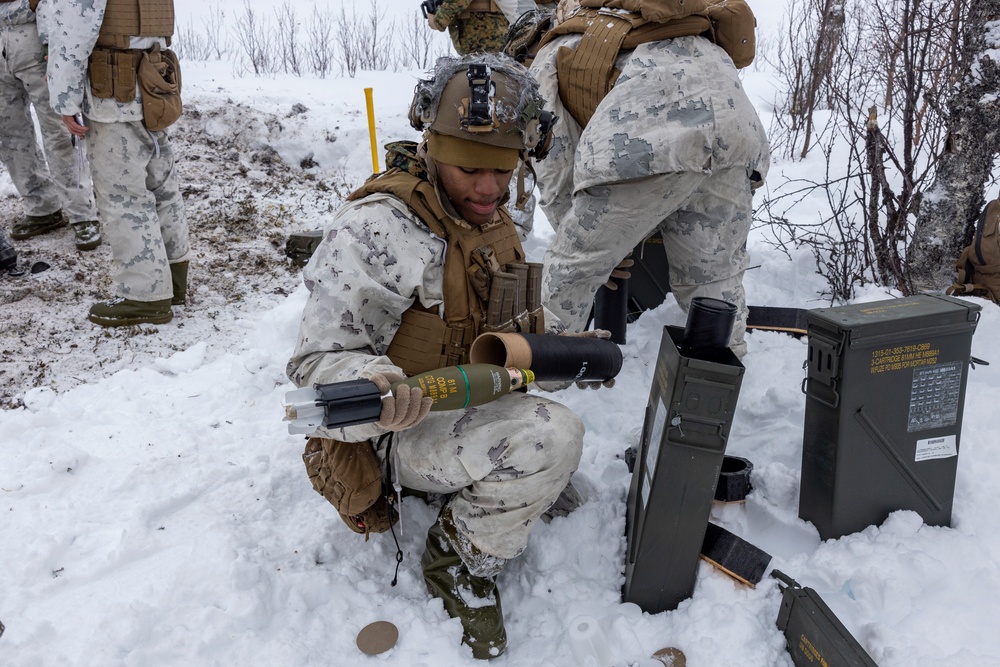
[[300, 246], [683, 443], [885, 391]]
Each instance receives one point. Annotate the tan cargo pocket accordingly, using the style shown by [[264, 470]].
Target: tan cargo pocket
[[160, 83], [349, 476], [101, 71], [124, 76]]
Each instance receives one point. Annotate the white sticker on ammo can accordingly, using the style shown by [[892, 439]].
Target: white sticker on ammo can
[[936, 448]]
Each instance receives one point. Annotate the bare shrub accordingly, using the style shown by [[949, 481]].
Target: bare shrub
[[892, 72], [320, 42], [255, 39], [287, 46], [418, 47]]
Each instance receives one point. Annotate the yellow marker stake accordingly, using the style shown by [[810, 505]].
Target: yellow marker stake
[[371, 129]]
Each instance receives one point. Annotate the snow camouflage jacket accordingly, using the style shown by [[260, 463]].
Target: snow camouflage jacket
[[16, 12], [73, 28], [388, 266]]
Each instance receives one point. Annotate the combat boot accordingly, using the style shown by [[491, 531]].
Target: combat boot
[[34, 225], [87, 234], [179, 279], [473, 600], [121, 312]]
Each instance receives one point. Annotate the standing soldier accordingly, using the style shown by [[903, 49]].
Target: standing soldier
[[107, 62], [656, 133], [63, 185]]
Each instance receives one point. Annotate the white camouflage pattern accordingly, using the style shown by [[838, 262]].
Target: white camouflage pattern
[[672, 147], [507, 460], [133, 169], [64, 183]]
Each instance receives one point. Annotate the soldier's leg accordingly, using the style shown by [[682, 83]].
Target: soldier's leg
[[19, 149], [507, 460], [705, 244], [162, 182], [605, 224], [120, 154], [67, 168]]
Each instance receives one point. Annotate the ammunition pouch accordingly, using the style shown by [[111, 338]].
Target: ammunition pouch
[[424, 341], [115, 73], [515, 300], [112, 73], [159, 78], [349, 475]]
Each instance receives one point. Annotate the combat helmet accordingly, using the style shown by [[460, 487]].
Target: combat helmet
[[487, 99]]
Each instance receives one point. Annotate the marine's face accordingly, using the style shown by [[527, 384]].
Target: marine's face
[[475, 193]]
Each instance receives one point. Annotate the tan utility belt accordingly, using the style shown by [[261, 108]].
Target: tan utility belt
[[113, 73]]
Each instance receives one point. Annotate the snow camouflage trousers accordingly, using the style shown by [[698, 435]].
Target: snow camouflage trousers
[[140, 205], [65, 183], [508, 461], [704, 220], [671, 147]]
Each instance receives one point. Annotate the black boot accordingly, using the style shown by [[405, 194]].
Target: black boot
[[475, 601]]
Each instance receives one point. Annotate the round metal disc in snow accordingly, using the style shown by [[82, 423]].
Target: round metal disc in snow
[[377, 637], [671, 657]]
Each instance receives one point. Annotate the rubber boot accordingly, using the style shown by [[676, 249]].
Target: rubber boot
[[121, 312], [87, 234], [475, 601], [179, 278], [34, 225]]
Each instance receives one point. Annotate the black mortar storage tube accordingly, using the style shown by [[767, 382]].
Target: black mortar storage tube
[[550, 356], [611, 309], [709, 326]]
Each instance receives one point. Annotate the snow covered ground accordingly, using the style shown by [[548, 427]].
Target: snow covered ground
[[157, 513]]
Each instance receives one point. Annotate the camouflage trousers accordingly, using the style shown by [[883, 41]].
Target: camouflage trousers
[[65, 182], [506, 461], [135, 183], [704, 219]]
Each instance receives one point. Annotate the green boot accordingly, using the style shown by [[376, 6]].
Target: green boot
[[121, 312], [34, 225], [87, 234], [475, 601], [179, 278]]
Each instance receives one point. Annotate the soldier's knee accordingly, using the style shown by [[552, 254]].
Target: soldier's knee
[[561, 436]]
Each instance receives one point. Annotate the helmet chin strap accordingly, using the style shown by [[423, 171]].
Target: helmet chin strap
[[522, 196]]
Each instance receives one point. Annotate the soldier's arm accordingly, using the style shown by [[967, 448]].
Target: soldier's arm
[[371, 265], [448, 10], [73, 28]]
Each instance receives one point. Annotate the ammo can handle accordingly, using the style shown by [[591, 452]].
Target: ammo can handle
[[785, 579], [834, 404]]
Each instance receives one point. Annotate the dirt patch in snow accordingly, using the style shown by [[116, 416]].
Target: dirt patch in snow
[[242, 202]]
